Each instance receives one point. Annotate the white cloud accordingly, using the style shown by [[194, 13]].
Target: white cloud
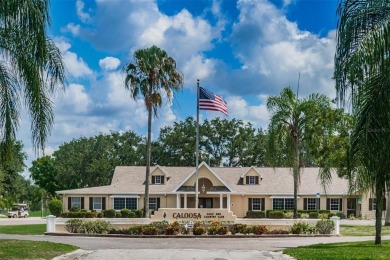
[[74, 65], [276, 51], [83, 16], [74, 29], [75, 99], [109, 63]]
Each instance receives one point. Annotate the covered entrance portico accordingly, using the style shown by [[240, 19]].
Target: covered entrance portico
[[209, 196]]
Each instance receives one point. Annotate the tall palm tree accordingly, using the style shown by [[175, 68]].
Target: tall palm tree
[[152, 74], [362, 68], [292, 123], [31, 68]]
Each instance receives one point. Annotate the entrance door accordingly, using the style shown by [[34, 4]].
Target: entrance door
[[351, 207], [206, 203]]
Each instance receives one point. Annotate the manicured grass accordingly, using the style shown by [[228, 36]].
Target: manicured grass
[[36, 229], [347, 230], [38, 213], [19, 249], [355, 250]]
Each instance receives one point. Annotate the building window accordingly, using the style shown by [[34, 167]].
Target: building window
[[125, 203], [256, 204], [252, 180], [282, 204], [335, 204], [153, 203], [75, 202], [158, 179], [311, 204], [97, 203]]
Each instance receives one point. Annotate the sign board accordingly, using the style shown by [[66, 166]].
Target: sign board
[[172, 214]]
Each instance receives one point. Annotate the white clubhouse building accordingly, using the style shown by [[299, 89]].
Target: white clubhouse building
[[237, 189]]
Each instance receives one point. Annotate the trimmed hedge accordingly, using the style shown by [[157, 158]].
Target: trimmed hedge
[[276, 214], [255, 214], [55, 207], [109, 213], [78, 214]]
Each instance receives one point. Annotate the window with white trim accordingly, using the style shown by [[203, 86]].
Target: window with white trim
[[335, 204], [282, 203], [157, 179], [311, 203], [97, 203], [75, 202], [125, 203], [252, 180], [256, 204]]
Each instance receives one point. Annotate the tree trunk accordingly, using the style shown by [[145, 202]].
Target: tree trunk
[[148, 156], [387, 220], [296, 175], [378, 212]]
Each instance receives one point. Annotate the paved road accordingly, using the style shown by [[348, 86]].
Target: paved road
[[176, 248]]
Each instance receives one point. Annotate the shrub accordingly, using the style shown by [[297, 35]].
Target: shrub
[[276, 214], [255, 214], [331, 214], [197, 231], [340, 214], [172, 229], [278, 232], [99, 215], [248, 230], [73, 225], [222, 230], [160, 226], [289, 214], [313, 214], [132, 214], [135, 230], [149, 230], [138, 213], [95, 226], [304, 215], [78, 214], [125, 213], [259, 229], [299, 228], [55, 207], [118, 215], [215, 223], [83, 210], [109, 213], [325, 226], [198, 224], [74, 209], [213, 230], [237, 228], [324, 211]]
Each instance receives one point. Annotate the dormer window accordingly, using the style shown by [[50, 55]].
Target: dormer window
[[252, 180], [158, 179]]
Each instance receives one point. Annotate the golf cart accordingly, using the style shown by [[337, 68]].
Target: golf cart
[[18, 210]]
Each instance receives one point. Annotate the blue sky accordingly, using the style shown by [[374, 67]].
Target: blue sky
[[242, 50]]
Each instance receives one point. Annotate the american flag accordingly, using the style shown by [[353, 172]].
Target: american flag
[[209, 101]]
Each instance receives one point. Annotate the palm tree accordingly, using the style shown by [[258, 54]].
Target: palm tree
[[362, 68], [31, 68], [152, 74], [292, 123]]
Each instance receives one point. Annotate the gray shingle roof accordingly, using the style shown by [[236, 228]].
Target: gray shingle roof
[[276, 181]]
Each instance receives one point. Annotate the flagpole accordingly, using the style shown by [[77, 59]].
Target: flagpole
[[197, 146]]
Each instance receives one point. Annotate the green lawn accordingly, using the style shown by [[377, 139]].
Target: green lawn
[[355, 250], [38, 213], [346, 230], [36, 229], [19, 249]]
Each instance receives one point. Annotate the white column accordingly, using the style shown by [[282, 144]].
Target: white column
[[51, 223], [228, 201], [336, 225], [220, 201], [178, 201], [185, 200]]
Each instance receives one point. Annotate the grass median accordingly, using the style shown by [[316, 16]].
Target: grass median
[[335, 251], [350, 230], [33, 229], [19, 249]]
